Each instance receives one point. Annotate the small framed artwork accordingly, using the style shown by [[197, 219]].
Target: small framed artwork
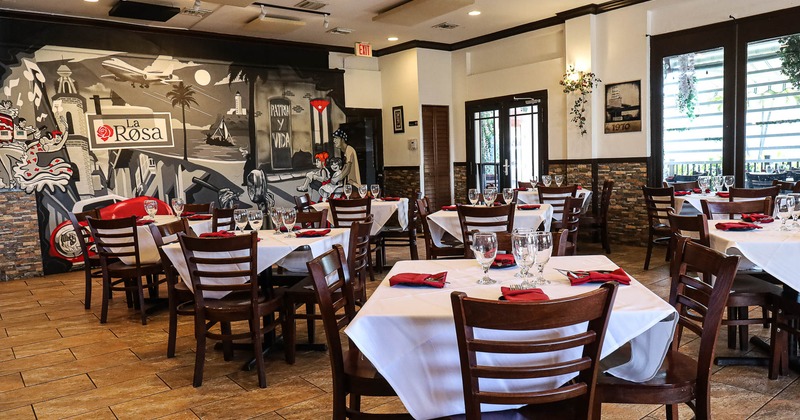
[[397, 116], [624, 107]]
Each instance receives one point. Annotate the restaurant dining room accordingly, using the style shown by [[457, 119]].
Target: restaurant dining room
[[400, 209]]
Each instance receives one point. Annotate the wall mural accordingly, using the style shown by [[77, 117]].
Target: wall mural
[[78, 126]]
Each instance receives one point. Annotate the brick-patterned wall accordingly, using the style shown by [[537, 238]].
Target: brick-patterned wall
[[460, 182], [627, 216], [401, 181], [20, 254]]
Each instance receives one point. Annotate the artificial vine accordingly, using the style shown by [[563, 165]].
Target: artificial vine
[[581, 83], [789, 52], [687, 85]]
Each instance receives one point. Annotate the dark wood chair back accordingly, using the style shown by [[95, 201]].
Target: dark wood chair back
[[682, 186], [303, 202], [771, 192], [233, 268], [198, 207], [658, 202], [734, 209], [483, 219], [787, 186], [84, 235], [573, 207], [433, 251], [605, 201], [523, 184], [592, 309], [115, 238], [358, 252], [560, 242], [312, 219], [694, 227], [555, 196], [345, 212], [222, 219]]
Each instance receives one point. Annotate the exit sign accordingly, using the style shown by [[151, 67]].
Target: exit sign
[[363, 49]]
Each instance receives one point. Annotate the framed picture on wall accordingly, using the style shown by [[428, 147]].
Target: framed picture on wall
[[624, 107], [397, 117]]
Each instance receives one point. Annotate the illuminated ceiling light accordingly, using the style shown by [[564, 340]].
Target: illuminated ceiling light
[[91, 1], [474, 13], [392, 38]]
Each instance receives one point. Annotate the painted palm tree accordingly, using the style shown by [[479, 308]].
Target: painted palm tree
[[182, 95]]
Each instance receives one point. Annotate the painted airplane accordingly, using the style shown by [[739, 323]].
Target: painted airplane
[[124, 72]]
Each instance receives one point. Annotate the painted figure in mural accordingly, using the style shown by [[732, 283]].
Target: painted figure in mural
[[22, 126], [33, 173], [315, 179], [350, 172], [330, 186]]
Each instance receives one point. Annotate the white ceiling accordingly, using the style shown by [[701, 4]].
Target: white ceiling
[[357, 15]]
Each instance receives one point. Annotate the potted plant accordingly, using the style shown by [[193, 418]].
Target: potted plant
[[581, 83]]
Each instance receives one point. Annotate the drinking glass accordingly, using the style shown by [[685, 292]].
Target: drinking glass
[[484, 246], [543, 246], [151, 207], [729, 181], [534, 180], [559, 180], [473, 196], [703, 182], [508, 195], [177, 206], [375, 189], [348, 189], [276, 216], [489, 195], [524, 254], [289, 217], [256, 218], [240, 218], [795, 212], [719, 181], [785, 206], [362, 191], [547, 180]]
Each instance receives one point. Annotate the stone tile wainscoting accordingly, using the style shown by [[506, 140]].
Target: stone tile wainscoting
[[20, 253], [460, 182], [401, 181]]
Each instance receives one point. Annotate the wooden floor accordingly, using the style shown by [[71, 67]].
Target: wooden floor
[[57, 361]]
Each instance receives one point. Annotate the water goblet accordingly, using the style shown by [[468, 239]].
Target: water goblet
[[543, 247], [489, 195], [348, 190], [256, 218], [473, 196], [375, 189], [534, 180], [729, 180], [508, 195], [559, 179], [362, 191], [484, 246], [547, 180], [240, 218], [796, 211], [289, 218], [177, 206], [276, 216], [151, 207], [703, 182], [784, 205], [524, 254], [719, 181]]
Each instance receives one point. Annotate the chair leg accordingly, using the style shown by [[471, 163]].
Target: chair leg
[[311, 312], [744, 333], [765, 316], [413, 247], [227, 343], [649, 251], [369, 265], [672, 411], [106, 297], [732, 316], [779, 351], [140, 291], [172, 332], [255, 333], [290, 332], [355, 402], [87, 298], [604, 239], [200, 350]]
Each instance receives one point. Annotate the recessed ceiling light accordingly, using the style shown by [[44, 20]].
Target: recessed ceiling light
[[91, 1], [392, 38], [474, 13]]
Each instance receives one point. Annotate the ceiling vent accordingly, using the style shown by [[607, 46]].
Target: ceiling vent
[[340, 31], [274, 25], [445, 25], [310, 5], [143, 11], [414, 12]]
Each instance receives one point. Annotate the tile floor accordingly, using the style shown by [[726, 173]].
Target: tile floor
[[57, 361]]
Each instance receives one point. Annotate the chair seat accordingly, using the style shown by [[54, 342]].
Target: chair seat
[[120, 269], [674, 383], [240, 302], [746, 286]]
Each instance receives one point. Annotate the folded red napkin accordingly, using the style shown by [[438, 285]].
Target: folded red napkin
[[391, 198], [723, 194], [520, 189], [218, 234], [199, 217], [581, 277], [142, 222], [419, 279], [187, 213], [698, 190], [312, 233], [736, 226], [296, 227], [504, 260], [529, 295], [529, 206], [449, 208], [680, 193], [579, 187], [757, 217]]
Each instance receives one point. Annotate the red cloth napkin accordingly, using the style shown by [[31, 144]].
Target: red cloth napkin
[[520, 189], [296, 227], [199, 217], [680, 193], [391, 198], [757, 217], [218, 234], [529, 206], [449, 208], [736, 226], [187, 213], [143, 222], [312, 233], [698, 190], [419, 279], [581, 277], [504, 260], [579, 187], [529, 295], [723, 194]]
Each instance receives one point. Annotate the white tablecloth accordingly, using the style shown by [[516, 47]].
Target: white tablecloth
[[381, 212], [447, 221], [695, 200], [272, 249], [409, 335], [532, 197]]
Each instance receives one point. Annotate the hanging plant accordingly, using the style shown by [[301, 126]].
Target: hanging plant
[[789, 53], [581, 83], [687, 85]]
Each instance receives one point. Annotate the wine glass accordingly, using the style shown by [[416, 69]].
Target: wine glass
[[543, 246], [508, 195], [719, 181], [289, 217], [524, 253], [362, 191], [256, 218], [785, 206], [484, 246], [240, 218], [348, 189], [375, 189], [177, 206], [795, 211], [276, 216], [559, 179], [534, 180], [473, 196], [703, 182], [729, 180], [151, 207], [547, 180], [489, 195]]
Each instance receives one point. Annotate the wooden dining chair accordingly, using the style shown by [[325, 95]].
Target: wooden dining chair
[[658, 201], [91, 261], [353, 374], [345, 212], [682, 378], [599, 222], [573, 400], [523, 184], [180, 297], [433, 251], [312, 219], [787, 186], [116, 239], [560, 242], [771, 192], [396, 236], [303, 202], [483, 219], [573, 208], [734, 209], [226, 261], [555, 196], [222, 219], [202, 208], [682, 186]]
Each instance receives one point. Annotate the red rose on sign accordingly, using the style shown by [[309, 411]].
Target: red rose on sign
[[104, 132]]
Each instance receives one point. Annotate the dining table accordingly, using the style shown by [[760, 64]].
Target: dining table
[[446, 221], [695, 200], [408, 333], [381, 210], [531, 196], [148, 251]]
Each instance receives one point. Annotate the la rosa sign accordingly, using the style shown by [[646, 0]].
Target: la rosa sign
[[130, 131]]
